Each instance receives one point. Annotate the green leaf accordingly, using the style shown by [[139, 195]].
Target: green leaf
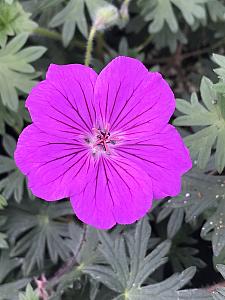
[[215, 227], [7, 265], [29, 294], [191, 10], [219, 292], [205, 193], [151, 262], [208, 114], [216, 10], [167, 289], [200, 192], [125, 274], [161, 12], [3, 202], [9, 291], [3, 242], [138, 247], [221, 269], [45, 4], [220, 87], [106, 276], [194, 294], [13, 20], [167, 38], [175, 222], [41, 230], [202, 195], [72, 16], [13, 184], [109, 250], [88, 255], [183, 254], [9, 144], [15, 71], [83, 244], [220, 60], [220, 152], [9, 1], [13, 119]]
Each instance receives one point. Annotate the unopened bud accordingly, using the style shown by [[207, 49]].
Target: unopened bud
[[124, 11], [124, 14], [106, 17]]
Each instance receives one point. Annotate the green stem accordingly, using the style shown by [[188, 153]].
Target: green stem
[[100, 46], [56, 36], [145, 44], [90, 45], [48, 33]]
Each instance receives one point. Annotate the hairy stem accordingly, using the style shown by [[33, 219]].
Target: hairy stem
[[90, 45], [212, 288], [198, 52], [69, 264]]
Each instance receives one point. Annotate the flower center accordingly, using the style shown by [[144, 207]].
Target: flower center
[[102, 140]]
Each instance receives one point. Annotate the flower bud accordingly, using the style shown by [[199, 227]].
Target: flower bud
[[124, 14], [124, 11], [106, 17]]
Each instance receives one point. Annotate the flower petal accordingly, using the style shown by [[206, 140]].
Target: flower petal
[[163, 156], [63, 103], [131, 99], [55, 166], [118, 192]]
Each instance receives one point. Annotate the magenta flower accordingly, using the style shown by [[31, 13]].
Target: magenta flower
[[103, 140]]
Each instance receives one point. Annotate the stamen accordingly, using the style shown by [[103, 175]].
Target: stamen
[[102, 138]]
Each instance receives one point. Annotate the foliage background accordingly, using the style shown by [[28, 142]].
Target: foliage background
[[178, 250]]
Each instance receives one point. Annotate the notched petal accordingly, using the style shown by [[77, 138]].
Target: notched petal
[[131, 99], [118, 192]]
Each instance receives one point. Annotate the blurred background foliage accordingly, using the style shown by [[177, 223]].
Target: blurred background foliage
[[178, 250]]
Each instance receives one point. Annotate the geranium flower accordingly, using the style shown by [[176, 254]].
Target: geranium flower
[[103, 140]]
